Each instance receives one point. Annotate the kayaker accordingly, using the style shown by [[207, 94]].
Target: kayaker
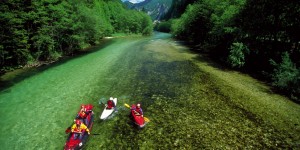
[[138, 110], [82, 114], [110, 103], [78, 128]]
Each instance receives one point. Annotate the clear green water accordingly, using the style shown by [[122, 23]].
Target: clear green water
[[36, 111], [188, 108]]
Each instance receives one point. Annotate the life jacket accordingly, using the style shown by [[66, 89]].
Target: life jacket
[[136, 110], [82, 114], [77, 129], [89, 107], [139, 110], [81, 128], [110, 104]]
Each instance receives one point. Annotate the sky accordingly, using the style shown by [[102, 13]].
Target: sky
[[134, 1]]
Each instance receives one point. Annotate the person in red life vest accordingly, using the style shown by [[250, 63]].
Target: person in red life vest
[[110, 103], [82, 114], [138, 110], [78, 128]]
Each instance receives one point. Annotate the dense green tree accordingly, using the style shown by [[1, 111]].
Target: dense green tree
[[146, 24], [268, 28], [164, 26], [286, 76], [178, 7], [194, 24], [33, 31], [14, 37], [237, 54]]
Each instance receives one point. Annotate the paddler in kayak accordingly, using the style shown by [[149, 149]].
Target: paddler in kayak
[[138, 110], [82, 114], [78, 128], [110, 103]]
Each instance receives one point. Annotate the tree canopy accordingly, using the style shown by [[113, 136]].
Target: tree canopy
[[255, 36], [45, 30]]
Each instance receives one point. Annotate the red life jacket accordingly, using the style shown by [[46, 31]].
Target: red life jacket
[[88, 107], [135, 109], [110, 104], [139, 110], [82, 112]]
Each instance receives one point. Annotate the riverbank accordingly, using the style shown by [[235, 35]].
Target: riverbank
[[17, 74], [275, 113]]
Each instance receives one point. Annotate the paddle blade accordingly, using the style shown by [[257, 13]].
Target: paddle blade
[[68, 130], [127, 105], [146, 119]]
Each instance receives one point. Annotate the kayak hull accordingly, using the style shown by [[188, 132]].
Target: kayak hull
[[137, 119], [77, 144], [107, 112]]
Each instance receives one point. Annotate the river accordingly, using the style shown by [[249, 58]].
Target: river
[[185, 107]]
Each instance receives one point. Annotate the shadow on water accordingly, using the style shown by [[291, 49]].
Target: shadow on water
[[21, 74]]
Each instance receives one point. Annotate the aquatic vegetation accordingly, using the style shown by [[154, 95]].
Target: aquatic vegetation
[[191, 102], [190, 108]]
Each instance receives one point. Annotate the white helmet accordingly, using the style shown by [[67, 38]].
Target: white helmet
[[111, 98]]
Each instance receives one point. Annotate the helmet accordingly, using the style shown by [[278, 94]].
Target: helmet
[[138, 105], [111, 98], [78, 122]]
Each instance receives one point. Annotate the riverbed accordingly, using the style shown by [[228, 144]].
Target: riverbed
[[191, 102]]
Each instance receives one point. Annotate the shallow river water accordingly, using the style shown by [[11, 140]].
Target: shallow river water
[[186, 106]]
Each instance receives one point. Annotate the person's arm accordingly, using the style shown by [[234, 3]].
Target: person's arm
[[135, 111], [73, 127], [85, 128], [88, 131], [142, 113]]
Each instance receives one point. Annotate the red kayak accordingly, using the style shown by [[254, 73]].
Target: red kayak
[[76, 144], [137, 119]]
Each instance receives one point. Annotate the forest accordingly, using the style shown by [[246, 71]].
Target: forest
[[46, 30], [256, 37]]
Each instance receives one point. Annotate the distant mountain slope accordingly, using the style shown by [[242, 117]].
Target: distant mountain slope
[[177, 8], [155, 8]]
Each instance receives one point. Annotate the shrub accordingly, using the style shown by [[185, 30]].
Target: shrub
[[286, 76], [164, 26], [237, 53]]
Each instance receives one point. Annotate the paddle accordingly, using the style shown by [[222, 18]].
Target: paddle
[[68, 130], [101, 103], [145, 118]]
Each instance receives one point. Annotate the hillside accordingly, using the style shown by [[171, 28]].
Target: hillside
[[155, 8]]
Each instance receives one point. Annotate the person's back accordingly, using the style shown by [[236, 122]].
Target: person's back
[[82, 114], [78, 128], [138, 110], [110, 103]]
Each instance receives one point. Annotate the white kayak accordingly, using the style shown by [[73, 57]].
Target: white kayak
[[108, 112]]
